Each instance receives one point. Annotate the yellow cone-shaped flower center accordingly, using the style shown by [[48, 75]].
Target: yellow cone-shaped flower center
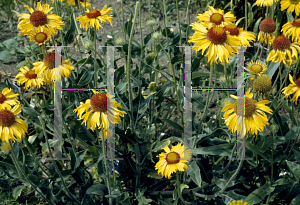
[[294, 1], [2, 98], [172, 158], [217, 35], [263, 83], [99, 102], [31, 74], [49, 60], [256, 68], [7, 118], [233, 30], [296, 22], [249, 106], [298, 82], [267, 25], [40, 37], [93, 14], [38, 18], [281, 43], [216, 18]]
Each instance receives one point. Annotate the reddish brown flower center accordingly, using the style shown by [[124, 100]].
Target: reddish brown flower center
[[99, 102], [30, 74], [217, 35], [233, 30], [216, 18], [249, 106], [298, 82], [49, 60], [38, 18], [40, 37], [7, 118], [281, 43], [93, 14], [2, 98], [296, 23], [172, 158], [267, 25]]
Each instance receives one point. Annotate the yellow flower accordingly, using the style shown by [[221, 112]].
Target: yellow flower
[[216, 17], [217, 40], [40, 17], [31, 77], [284, 51], [244, 36], [249, 122], [267, 29], [173, 160], [40, 35], [96, 111], [72, 2], [263, 3], [239, 202], [292, 29], [7, 98], [257, 67], [11, 126], [293, 88], [93, 17], [48, 66], [291, 5]]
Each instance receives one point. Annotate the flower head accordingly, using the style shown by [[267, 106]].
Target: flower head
[[40, 35], [48, 67], [293, 88], [173, 160], [263, 83], [216, 40], [40, 17], [216, 17], [12, 127], [244, 36], [267, 29], [263, 3], [31, 77], [8, 98], [239, 202], [246, 116], [284, 51], [257, 67], [93, 17], [98, 109], [292, 29], [291, 5]]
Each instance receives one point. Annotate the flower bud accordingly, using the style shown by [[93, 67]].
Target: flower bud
[[88, 44], [119, 41], [151, 22], [156, 35]]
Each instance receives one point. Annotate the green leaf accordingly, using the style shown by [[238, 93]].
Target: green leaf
[[161, 144], [174, 124], [220, 150], [85, 78], [198, 101], [5, 55], [200, 75], [68, 112], [70, 35], [30, 112], [194, 173], [3, 85], [255, 28], [271, 69], [97, 189], [295, 200], [17, 191], [11, 44], [259, 194], [294, 168]]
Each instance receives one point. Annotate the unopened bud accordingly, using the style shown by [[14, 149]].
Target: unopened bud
[[119, 41], [156, 35]]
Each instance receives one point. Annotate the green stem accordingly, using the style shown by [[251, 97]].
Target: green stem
[[246, 13], [124, 33], [95, 61], [180, 107], [138, 168], [178, 188], [20, 173], [128, 70], [124, 29], [55, 165]]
